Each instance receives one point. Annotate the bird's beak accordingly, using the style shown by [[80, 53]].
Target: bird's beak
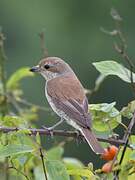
[[35, 69]]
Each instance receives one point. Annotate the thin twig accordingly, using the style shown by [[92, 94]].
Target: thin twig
[[126, 140], [4, 103], [121, 49], [98, 82], [16, 105], [122, 45], [43, 47], [13, 167], [43, 163], [25, 102], [74, 134], [128, 133], [126, 57]]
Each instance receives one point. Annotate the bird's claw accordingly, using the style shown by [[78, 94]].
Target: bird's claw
[[114, 135], [49, 129]]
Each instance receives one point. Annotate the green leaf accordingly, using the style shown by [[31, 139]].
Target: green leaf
[[129, 154], [105, 116], [38, 139], [82, 172], [76, 169], [132, 176], [11, 121], [29, 113], [132, 145], [23, 139], [14, 149], [104, 107], [125, 171], [113, 68], [13, 81], [38, 173], [128, 110], [72, 163], [56, 170], [55, 153]]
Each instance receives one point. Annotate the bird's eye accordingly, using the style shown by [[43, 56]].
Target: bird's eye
[[46, 66]]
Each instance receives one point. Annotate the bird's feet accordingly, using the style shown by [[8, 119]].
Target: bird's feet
[[49, 129]]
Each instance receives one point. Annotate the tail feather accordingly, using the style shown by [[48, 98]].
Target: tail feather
[[92, 141]]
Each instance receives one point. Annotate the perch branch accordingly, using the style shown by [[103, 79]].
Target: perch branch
[[74, 134]]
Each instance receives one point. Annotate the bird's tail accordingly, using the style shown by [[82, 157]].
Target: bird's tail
[[92, 141]]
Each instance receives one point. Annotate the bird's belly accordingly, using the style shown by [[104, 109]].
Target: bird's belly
[[73, 124], [61, 113], [56, 110]]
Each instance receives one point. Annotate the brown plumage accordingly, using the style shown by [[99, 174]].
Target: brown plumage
[[66, 96], [67, 90]]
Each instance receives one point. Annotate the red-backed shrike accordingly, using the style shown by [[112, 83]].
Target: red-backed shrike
[[66, 96]]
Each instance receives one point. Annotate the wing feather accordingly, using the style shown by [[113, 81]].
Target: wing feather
[[68, 95]]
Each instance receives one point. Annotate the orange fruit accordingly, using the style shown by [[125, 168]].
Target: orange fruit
[[109, 153], [107, 167]]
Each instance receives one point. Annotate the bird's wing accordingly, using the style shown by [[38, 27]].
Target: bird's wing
[[68, 95]]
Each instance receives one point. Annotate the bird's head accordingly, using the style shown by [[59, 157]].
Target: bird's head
[[51, 67]]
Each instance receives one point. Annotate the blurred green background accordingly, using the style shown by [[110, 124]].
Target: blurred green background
[[72, 32]]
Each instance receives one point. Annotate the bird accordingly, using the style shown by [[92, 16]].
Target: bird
[[67, 98]]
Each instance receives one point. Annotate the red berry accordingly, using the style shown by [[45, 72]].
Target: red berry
[[107, 167], [109, 153]]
